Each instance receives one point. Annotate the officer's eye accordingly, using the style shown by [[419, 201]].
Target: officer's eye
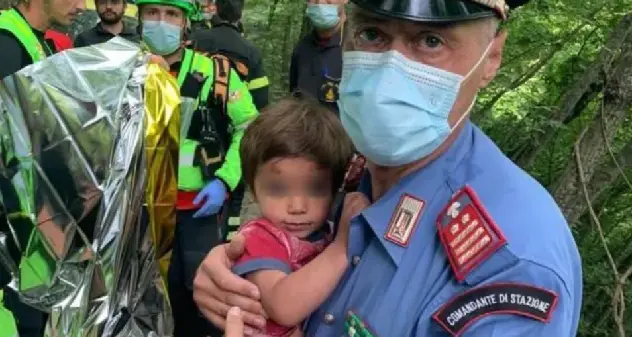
[[369, 34], [429, 41], [369, 37]]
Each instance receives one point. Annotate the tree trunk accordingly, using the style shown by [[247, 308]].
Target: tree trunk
[[617, 100]]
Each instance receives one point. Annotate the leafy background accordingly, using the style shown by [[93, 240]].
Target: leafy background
[[560, 108]]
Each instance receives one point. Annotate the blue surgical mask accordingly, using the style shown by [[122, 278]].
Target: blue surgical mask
[[396, 110], [161, 37], [323, 16]]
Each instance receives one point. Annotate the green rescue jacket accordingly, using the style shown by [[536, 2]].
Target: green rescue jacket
[[240, 110]]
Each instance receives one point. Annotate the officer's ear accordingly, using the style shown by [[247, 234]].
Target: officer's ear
[[494, 58]]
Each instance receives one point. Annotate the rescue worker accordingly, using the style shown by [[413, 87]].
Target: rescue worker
[[316, 64], [22, 41], [111, 14], [22, 30], [225, 38], [447, 235], [209, 165]]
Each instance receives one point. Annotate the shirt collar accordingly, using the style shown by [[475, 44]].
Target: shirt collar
[[422, 184]]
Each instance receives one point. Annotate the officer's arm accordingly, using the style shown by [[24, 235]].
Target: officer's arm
[[259, 85], [533, 302], [241, 111]]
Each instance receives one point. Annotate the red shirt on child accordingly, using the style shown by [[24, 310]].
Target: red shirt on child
[[271, 248]]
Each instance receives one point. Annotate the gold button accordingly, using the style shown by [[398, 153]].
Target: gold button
[[329, 318], [355, 260]]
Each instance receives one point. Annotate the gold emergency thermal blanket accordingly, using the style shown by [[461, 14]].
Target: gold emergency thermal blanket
[[87, 176]]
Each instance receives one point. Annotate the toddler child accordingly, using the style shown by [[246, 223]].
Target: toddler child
[[294, 157]]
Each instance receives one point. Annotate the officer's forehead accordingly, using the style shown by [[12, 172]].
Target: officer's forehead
[[358, 15]]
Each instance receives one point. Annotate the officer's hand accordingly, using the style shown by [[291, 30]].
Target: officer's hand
[[355, 202], [214, 194], [216, 289], [234, 323]]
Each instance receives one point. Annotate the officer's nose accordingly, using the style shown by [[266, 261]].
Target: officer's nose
[[297, 205]]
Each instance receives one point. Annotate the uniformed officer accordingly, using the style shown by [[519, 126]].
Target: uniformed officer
[[22, 42], [316, 65], [457, 240], [209, 164]]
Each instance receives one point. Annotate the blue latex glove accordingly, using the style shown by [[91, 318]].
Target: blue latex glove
[[213, 195]]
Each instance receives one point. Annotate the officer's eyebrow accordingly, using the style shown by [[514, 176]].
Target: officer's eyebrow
[[360, 16]]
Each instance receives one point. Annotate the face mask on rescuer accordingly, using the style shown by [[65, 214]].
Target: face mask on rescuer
[[207, 16], [323, 16], [161, 37], [396, 110]]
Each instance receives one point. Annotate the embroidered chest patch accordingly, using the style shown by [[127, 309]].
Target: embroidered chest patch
[[467, 233], [404, 220], [502, 298]]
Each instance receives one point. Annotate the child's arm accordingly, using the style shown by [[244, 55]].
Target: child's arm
[[290, 298]]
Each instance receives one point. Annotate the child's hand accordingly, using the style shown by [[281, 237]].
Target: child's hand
[[355, 202], [355, 171], [234, 323]]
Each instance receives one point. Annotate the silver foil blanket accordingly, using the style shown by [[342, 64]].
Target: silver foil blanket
[[73, 179]]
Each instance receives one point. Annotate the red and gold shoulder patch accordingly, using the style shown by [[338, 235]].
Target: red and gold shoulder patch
[[467, 232]]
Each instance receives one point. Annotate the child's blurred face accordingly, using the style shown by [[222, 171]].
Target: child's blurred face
[[294, 194]]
